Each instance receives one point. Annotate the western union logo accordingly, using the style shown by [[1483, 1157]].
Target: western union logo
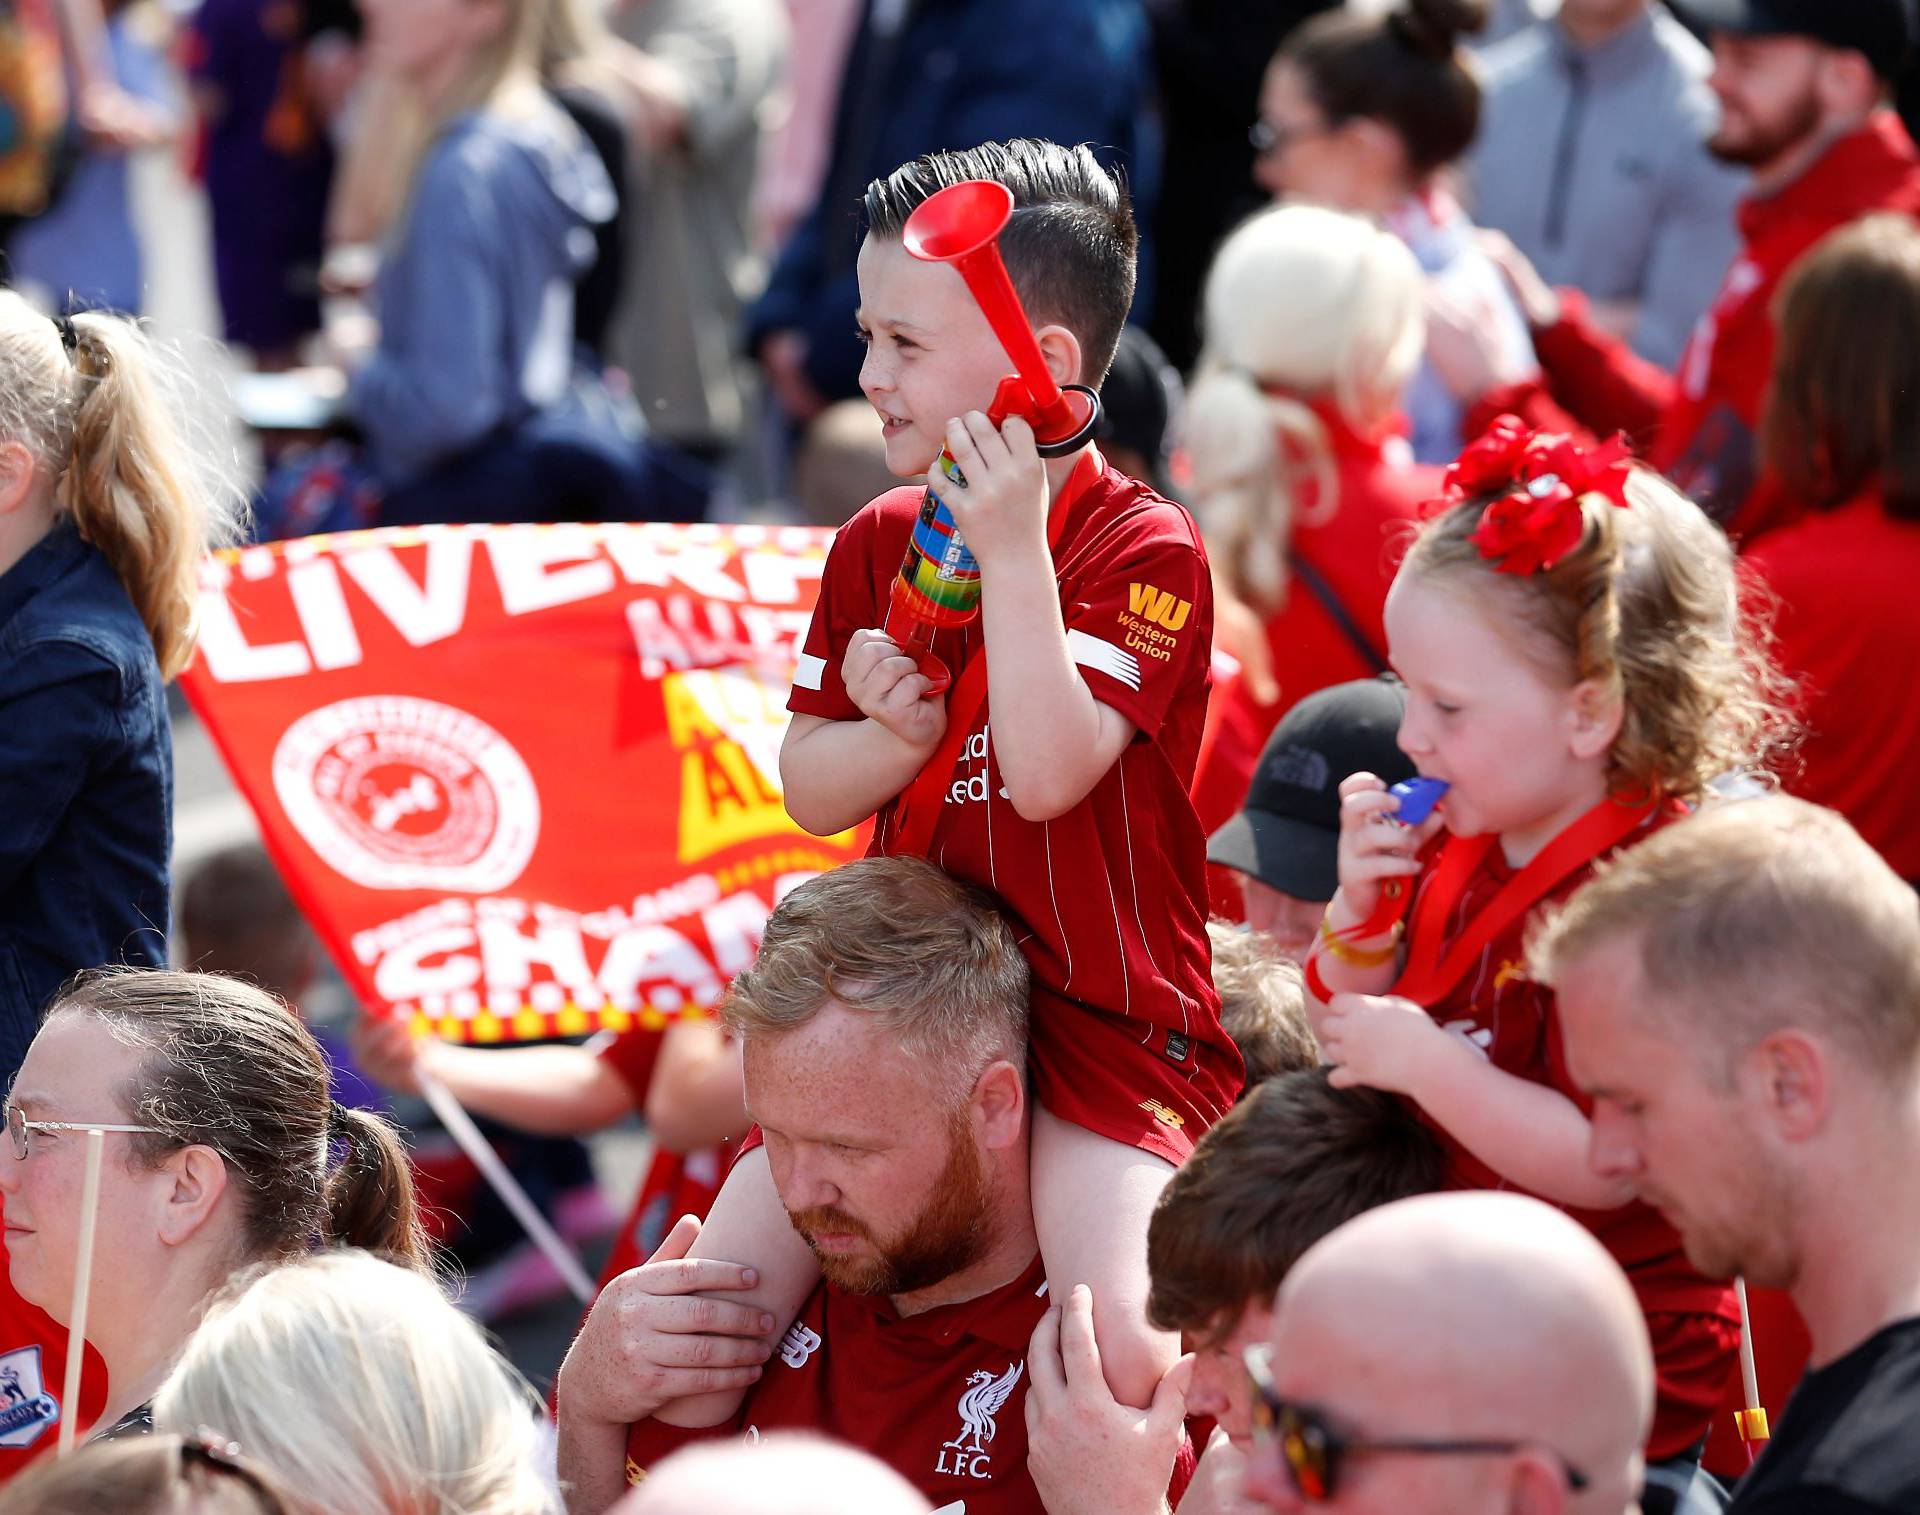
[[1158, 606]]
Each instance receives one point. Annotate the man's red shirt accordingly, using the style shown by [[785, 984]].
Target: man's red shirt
[[1700, 422], [1847, 631], [1694, 1320], [940, 1397], [1126, 1037]]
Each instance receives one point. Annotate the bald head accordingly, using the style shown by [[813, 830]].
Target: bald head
[[1470, 1316], [781, 1475]]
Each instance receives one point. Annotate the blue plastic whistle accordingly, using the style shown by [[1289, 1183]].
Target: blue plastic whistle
[[1417, 797]]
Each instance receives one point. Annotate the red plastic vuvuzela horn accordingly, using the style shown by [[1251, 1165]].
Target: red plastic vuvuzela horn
[[939, 582], [961, 225]]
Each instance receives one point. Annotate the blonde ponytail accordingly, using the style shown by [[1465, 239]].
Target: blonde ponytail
[[122, 430], [1254, 459], [1301, 305], [131, 485]]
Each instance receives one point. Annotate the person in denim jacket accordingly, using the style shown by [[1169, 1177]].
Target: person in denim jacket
[[102, 524]]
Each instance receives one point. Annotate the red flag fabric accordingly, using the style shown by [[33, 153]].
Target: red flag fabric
[[523, 780]]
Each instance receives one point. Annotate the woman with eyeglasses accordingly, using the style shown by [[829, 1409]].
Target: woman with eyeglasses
[[1365, 110], [223, 1149]]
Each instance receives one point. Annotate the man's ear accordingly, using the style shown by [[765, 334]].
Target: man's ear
[[1061, 349], [16, 476], [1789, 1072], [199, 1178], [999, 1104], [1597, 714], [1846, 83]]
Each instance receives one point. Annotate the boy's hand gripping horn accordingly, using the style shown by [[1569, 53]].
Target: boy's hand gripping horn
[[939, 581]]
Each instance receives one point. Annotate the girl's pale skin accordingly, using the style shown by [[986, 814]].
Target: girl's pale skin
[[931, 361], [1525, 757]]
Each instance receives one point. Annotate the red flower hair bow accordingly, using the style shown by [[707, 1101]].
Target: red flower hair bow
[[1537, 480]]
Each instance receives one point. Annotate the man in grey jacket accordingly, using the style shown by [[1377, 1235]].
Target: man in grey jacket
[[1592, 158]]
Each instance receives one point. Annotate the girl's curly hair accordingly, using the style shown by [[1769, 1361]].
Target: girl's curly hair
[[1652, 607]]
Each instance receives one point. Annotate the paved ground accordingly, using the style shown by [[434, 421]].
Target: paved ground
[[209, 814]]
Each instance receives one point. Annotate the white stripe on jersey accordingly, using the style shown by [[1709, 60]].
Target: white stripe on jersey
[[1104, 657], [809, 671]]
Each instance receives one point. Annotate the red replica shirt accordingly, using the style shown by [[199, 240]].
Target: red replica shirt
[[676, 1183], [1126, 1037], [1694, 1320], [939, 1397], [1703, 418], [1847, 630]]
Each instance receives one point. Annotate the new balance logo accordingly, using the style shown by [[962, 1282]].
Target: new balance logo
[[1158, 606], [798, 1345]]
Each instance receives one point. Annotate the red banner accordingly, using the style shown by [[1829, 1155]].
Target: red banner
[[523, 780]]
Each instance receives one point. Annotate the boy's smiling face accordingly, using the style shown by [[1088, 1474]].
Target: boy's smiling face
[[931, 355]]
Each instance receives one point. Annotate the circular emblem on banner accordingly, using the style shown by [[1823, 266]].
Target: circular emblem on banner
[[401, 793]]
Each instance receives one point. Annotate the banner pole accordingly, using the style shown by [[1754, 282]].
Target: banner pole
[[82, 1287], [459, 1125]]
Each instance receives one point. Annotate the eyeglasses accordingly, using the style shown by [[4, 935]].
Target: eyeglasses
[[1312, 1451], [1271, 137], [215, 1455], [18, 1127]]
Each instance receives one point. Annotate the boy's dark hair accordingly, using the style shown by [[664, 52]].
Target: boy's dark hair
[[1291, 1162], [1069, 247], [235, 916], [1404, 68]]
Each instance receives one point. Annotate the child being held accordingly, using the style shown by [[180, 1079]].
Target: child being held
[[1569, 634], [1055, 770]]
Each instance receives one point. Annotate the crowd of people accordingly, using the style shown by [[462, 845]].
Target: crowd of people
[[1388, 977]]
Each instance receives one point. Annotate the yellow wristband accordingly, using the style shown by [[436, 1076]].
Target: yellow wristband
[[1359, 957]]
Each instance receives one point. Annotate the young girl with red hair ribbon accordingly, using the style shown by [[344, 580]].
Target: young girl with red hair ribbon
[[1568, 630]]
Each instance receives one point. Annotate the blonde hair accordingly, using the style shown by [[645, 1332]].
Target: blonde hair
[[1649, 608], [360, 1386], [117, 426], [895, 938], [1301, 304], [1263, 1003], [1753, 916]]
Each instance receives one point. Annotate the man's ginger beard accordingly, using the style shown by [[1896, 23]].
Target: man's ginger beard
[[950, 1233]]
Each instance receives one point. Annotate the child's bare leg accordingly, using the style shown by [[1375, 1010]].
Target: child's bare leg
[[1092, 1199], [749, 1225]]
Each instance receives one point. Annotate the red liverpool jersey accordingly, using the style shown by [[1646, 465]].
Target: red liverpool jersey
[[1126, 1036], [1694, 1320], [939, 1397]]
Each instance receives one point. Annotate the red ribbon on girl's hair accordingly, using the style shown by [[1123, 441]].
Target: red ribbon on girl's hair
[[1537, 480]]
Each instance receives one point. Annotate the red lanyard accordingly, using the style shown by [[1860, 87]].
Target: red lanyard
[[1429, 974], [917, 810]]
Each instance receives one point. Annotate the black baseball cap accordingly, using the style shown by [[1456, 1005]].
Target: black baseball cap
[[1883, 30], [1287, 834]]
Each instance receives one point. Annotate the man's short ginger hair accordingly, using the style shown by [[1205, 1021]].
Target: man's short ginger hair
[[1263, 1003], [893, 937], [1755, 916], [1293, 1161], [1069, 248]]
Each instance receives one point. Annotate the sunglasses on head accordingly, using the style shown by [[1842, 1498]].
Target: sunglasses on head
[[213, 1456], [1312, 1450]]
